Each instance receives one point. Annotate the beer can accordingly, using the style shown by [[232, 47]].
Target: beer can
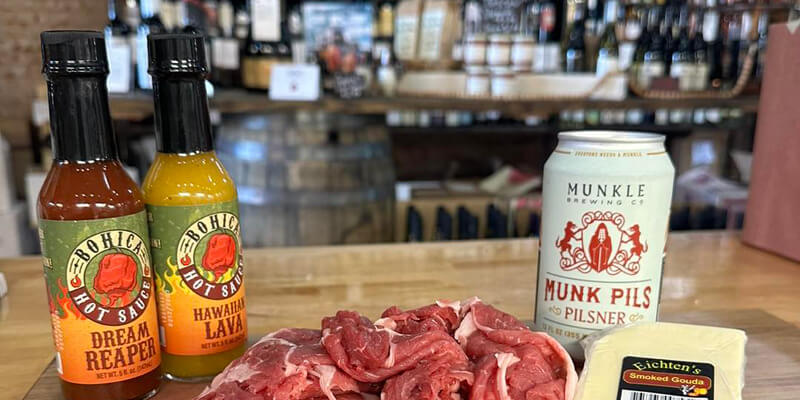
[[605, 216]]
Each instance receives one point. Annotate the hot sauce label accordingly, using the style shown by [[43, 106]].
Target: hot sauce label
[[100, 291], [199, 275]]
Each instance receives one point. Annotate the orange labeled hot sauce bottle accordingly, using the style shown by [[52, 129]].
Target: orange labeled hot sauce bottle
[[94, 236], [194, 220]]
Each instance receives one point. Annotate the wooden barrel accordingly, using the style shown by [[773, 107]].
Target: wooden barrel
[[310, 178]]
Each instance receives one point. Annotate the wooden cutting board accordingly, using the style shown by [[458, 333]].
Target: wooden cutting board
[[773, 358]]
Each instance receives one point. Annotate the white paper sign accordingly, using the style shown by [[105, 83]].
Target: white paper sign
[[225, 53], [120, 65], [294, 82], [266, 20]]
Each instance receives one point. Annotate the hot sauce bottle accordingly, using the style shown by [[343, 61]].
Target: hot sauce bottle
[[94, 236], [194, 220]]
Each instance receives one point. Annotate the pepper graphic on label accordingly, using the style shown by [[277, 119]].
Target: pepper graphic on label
[[116, 276], [220, 254]]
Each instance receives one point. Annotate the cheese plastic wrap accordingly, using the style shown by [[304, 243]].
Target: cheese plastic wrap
[[656, 360]]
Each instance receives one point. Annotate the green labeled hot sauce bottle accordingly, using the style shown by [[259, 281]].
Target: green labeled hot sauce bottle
[[93, 231], [193, 218]]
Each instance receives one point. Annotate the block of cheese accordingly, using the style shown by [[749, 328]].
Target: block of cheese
[[663, 361]]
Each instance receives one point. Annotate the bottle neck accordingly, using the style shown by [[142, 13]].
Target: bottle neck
[[79, 118], [112, 10], [182, 122], [150, 8]]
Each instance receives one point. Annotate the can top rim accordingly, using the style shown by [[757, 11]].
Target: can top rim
[[612, 136]]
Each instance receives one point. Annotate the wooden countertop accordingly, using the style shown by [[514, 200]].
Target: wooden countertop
[[297, 286]]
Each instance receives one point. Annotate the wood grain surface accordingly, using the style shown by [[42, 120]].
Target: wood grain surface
[[297, 286]]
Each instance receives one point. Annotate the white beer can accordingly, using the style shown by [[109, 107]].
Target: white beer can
[[605, 216]]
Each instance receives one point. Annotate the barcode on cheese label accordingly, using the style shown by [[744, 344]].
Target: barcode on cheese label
[[636, 395], [644, 378]]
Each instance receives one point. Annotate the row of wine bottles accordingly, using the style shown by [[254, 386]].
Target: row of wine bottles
[[700, 47], [245, 38], [466, 226]]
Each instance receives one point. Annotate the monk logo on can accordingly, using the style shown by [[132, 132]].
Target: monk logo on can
[[108, 275], [210, 259], [601, 244]]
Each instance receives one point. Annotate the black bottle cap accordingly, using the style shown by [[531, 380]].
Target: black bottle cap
[[176, 53], [73, 52]]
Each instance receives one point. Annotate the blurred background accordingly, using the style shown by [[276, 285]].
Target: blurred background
[[414, 120]]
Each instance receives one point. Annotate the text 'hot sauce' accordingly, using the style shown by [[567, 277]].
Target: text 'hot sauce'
[[94, 237], [194, 220]]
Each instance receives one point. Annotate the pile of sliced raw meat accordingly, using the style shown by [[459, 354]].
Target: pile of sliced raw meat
[[444, 351]]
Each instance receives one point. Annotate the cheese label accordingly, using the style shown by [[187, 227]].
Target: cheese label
[[644, 378]]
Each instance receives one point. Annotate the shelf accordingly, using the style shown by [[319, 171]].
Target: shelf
[[728, 8], [502, 129], [139, 105], [549, 129]]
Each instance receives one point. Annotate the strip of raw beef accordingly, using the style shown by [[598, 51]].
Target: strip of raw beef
[[289, 364], [372, 352], [442, 315], [430, 380], [512, 362]]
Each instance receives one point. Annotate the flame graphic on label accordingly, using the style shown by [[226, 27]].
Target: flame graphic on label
[[169, 279], [66, 304]]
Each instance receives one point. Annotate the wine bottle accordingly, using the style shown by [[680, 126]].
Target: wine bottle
[[414, 226], [118, 36], [593, 22], [713, 40], [700, 50], [593, 29], [730, 55], [298, 43], [549, 49], [681, 57], [652, 55], [265, 46], [225, 48], [670, 30], [747, 35], [634, 26], [444, 225], [534, 225], [763, 29], [608, 54], [530, 19], [169, 12], [151, 23], [575, 49]]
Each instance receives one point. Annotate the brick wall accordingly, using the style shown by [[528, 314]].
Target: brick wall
[[21, 21]]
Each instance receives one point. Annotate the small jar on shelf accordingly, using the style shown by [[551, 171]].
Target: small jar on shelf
[[498, 53]]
